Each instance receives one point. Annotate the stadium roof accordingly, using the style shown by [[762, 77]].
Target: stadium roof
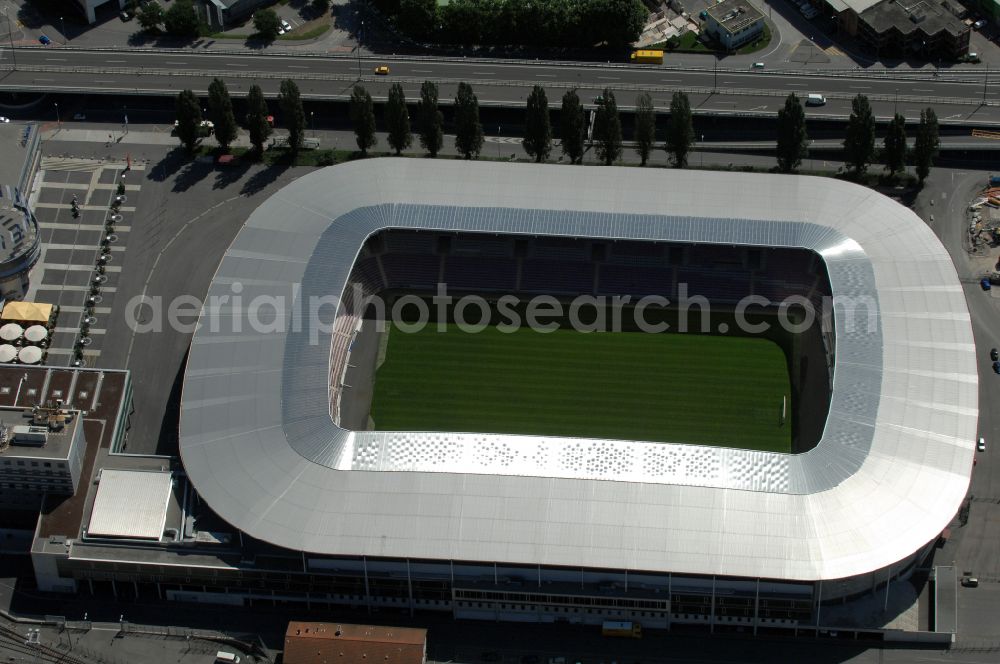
[[258, 441]]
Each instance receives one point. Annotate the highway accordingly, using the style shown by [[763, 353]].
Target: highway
[[960, 95]]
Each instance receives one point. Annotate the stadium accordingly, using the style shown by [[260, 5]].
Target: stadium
[[716, 478]]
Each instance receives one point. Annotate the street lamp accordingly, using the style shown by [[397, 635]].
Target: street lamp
[[312, 122], [10, 34], [701, 151], [58, 121], [63, 22], [360, 29]]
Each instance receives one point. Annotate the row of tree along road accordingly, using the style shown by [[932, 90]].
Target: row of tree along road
[[605, 136]]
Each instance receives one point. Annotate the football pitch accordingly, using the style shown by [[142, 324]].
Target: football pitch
[[684, 388]]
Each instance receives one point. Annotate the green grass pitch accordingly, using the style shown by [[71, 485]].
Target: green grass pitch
[[686, 388]]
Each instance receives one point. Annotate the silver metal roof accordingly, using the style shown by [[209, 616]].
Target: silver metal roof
[[258, 441], [130, 504]]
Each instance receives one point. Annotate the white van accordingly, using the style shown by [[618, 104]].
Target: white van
[[223, 657], [815, 100]]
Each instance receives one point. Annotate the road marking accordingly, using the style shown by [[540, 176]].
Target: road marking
[[297, 67], [922, 90], [422, 71], [546, 75], [174, 62], [233, 64], [43, 79], [114, 60], [608, 78], [56, 59], [670, 80], [861, 87], [796, 85], [483, 73]]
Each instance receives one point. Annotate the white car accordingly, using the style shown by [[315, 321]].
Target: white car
[[981, 445], [281, 30], [285, 24], [4, 119], [979, 25]]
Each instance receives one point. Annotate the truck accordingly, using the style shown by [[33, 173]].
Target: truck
[[623, 628], [647, 57]]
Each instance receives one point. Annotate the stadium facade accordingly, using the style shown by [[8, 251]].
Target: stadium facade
[[546, 528]]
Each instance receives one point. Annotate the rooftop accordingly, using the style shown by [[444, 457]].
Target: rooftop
[[131, 504], [926, 15], [24, 436], [311, 643], [259, 444], [18, 143], [734, 15]]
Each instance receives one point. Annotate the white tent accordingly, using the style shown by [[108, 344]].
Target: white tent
[[30, 355], [11, 332], [36, 333], [7, 353]]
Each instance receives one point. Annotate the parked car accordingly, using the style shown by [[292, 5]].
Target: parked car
[[970, 582], [994, 354], [44, 40], [996, 367], [4, 119], [984, 283], [125, 16], [981, 445], [79, 116], [286, 25], [979, 25]]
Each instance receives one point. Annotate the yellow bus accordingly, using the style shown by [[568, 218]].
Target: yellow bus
[[623, 628], [647, 57]]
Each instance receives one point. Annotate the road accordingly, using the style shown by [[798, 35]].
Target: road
[[957, 95]]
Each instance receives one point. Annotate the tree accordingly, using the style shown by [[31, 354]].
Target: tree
[[793, 141], [608, 129], [645, 126], [418, 16], [926, 146], [468, 129], [292, 114], [397, 119], [680, 129], [363, 118], [894, 146], [859, 140], [150, 16], [257, 123], [321, 7], [537, 130], [220, 112], [572, 127], [181, 20], [266, 23], [188, 119], [431, 119]]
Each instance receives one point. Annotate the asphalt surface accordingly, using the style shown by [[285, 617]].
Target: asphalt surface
[[956, 94]]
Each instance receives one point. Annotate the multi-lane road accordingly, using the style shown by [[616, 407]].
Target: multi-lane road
[[965, 94]]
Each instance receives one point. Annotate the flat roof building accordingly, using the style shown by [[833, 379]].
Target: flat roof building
[[734, 23], [889, 28], [326, 643]]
